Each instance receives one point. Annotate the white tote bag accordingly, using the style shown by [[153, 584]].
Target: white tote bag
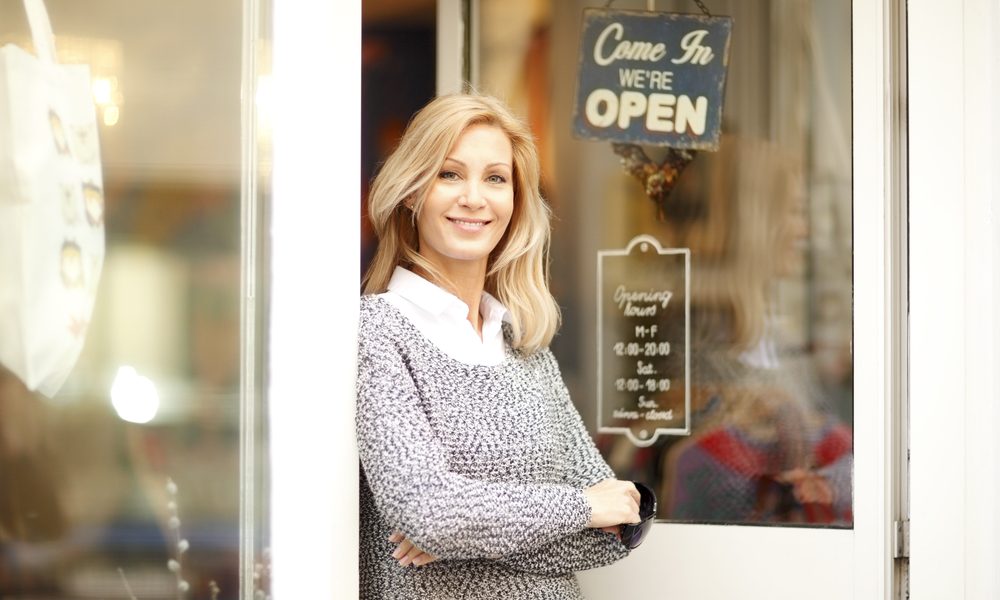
[[51, 209]]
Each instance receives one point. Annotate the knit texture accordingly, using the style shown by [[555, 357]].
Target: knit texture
[[481, 466]]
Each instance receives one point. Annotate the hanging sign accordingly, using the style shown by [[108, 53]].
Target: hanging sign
[[652, 78], [643, 341]]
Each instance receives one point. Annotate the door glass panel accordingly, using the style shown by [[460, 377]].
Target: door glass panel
[[397, 78], [767, 221], [127, 482]]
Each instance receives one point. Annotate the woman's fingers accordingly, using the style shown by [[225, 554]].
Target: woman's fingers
[[808, 487], [634, 492], [612, 502], [423, 559], [408, 554], [412, 554], [417, 558], [403, 549]]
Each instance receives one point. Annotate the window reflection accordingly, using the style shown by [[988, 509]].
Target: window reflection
[[127, 482], [768, 222]]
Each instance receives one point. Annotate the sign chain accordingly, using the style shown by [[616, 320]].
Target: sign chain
[[649, 4], [703, 8]]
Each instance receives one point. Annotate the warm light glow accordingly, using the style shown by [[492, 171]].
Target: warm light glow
[[134, 397], [102, 88], [111, 115]]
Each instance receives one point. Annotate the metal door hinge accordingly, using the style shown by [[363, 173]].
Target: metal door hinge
[[901, 539]]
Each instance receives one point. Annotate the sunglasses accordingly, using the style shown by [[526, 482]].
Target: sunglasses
[[634, 533]]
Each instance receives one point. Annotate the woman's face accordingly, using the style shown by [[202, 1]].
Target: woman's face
[[470, 203]]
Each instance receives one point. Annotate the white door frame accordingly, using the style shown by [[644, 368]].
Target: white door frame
[[721, 562], [315, 259], [954, 287]]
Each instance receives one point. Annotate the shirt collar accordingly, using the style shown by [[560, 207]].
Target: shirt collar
[[437, 301], [492, 309]]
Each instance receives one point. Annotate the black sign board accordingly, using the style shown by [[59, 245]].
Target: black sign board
[[643, 340], [652, 78]]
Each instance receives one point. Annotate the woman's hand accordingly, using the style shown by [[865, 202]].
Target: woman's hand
[[808, 486], [406, 553], [612, 503]]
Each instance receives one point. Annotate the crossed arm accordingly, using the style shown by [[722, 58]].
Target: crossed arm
[[439, 514]]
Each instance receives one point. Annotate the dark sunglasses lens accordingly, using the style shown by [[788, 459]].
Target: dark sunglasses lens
[[634, 534], [640, 534], [647, 500]]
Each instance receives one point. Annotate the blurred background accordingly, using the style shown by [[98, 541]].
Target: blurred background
[[128, 482]]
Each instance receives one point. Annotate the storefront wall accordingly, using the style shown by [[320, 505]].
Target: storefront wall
[[184, 268], [942, 236]]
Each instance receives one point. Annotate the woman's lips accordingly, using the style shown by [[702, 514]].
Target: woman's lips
[[469, 224]]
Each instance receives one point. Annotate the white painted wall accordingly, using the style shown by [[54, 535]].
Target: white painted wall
[[314, 303], [953, 259]]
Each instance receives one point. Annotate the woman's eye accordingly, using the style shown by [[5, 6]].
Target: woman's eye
[[449, 175], [496, 179]]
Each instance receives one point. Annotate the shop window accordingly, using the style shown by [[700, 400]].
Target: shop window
[[767, 221], [127, 482]]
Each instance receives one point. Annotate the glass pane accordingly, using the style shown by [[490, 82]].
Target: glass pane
[[127, 482], [398, 70], [767, 222]]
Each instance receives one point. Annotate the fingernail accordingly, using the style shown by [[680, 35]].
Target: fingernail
[[397, 554]]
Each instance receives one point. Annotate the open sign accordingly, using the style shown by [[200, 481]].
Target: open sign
[[652, 78]]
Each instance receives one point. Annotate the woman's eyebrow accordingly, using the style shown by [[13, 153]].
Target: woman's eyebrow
[[492, 164]]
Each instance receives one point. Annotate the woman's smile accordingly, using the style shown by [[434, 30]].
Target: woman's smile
[[471, 225]]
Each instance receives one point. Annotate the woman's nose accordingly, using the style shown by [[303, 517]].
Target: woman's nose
[[472, 197]]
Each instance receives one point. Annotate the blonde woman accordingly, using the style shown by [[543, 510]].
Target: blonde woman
[[478, 478]]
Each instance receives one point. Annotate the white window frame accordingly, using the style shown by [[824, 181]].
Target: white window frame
[[954, 74]]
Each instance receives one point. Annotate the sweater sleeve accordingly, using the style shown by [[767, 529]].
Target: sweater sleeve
[[446, 514], [584, 464], [589, 548], [580, 551]]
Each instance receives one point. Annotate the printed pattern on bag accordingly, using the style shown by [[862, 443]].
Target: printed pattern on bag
[[51, 211]]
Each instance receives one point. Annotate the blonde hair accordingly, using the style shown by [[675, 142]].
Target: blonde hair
[[517, 271]]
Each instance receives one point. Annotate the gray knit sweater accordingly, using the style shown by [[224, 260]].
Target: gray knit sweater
[[480, 466]]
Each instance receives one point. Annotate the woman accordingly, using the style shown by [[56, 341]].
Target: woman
[[478, 477]]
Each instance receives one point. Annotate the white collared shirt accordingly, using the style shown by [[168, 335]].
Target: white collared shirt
[[444, 319]]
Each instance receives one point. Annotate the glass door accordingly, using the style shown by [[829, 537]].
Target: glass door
[[777, 422]]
